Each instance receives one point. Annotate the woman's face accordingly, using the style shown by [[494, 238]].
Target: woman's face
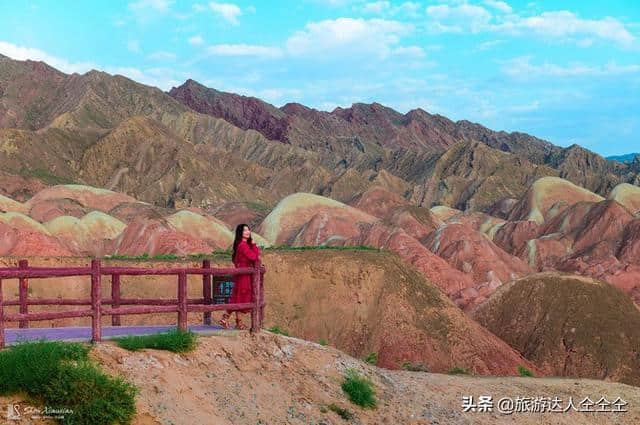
[[246, 233]]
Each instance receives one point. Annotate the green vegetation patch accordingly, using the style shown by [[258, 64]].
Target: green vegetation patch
[[343, 413], [457, 370], [359, 389], [414, 367], [371, 358], [176, 341], [276, 330], [61, 376], [523, 371], [45, 176], [323, 247], [225, 254]]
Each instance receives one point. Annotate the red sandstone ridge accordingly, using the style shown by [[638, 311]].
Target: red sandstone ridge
[[473, 253], [23, 243], [91, 197], [628, 195], [386, 205], [549, 196], [322, 220], [379, 202], [234, 213], [434, 268], [48, 209], [156, 237]]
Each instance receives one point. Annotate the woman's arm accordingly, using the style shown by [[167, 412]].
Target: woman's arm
[[251, 254]]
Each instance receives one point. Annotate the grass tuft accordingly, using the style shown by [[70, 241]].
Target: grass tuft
[[417, 367], [359, 389], [343, 413], [372, 358], [457, 370], [175, 340], [523, 371], [276, 330]]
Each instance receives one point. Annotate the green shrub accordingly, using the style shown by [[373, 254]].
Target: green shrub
[[457, 370], [277, 330], [30, 365], [523, 371], [93, 397], [60, 375], [323, 342], [359, 389], [418, 367], [344, 413], [175, 340], [372, 358]]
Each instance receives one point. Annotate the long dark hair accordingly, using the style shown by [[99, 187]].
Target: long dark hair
[[238, 239]]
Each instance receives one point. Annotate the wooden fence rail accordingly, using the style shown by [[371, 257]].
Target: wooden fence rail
[[181, 305]]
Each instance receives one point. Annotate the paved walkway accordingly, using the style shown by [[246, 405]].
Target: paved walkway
[[84, 333]]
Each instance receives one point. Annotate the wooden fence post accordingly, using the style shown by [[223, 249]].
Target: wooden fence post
[[255, 287], [23, 291], [182, 301], [96, 301], [1, 317], [261, 317], [206, 292], [115, 297]]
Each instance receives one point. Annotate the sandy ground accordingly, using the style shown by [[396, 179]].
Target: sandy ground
[[238, 378]]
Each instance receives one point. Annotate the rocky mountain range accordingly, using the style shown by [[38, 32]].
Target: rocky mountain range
[[198, 147], [97, 165]]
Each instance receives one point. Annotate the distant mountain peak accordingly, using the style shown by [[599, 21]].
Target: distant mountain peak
[[630, 157]]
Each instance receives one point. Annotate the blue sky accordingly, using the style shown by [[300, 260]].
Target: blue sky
[[566, 71]]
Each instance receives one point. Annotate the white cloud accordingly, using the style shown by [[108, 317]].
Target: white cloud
[[377, 7], [199, 7], [133, 46], [163, 78], [489, 44], [228, 11], [144, 5], [23, 53], [560, 25], [564, 23], [347, 37], [499, 5], [162, 56], [462, 18], [195, 40], [385, 8], [244, 50], [333, 3], [414, 51], [521, 67]]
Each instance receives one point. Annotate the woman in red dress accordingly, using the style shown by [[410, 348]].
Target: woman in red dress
[[245, 254]]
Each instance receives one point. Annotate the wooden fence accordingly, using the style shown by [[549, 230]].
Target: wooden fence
[[181, 305]]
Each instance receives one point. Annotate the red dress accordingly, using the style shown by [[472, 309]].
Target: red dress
[[245, 257]]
